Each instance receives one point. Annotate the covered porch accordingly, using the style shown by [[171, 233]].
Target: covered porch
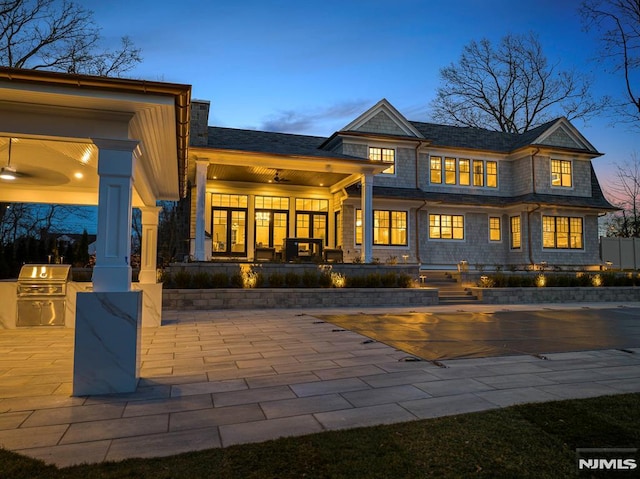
[[111, 143]]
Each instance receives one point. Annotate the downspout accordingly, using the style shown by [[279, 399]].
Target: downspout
[[418, 232], [417, 181], [529, 232], [533, 182]]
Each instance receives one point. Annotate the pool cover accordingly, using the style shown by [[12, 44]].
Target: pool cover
[[435, 336]]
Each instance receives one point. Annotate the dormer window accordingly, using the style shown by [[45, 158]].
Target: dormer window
[[561, 173], [386, 155]]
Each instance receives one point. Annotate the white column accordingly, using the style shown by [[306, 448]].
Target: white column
[[201, 187], [149, 246], [366, 199], [116, 162]]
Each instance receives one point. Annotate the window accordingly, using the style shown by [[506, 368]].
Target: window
[[311, 218], [450, 171], [228, 224], [492, 174], [386, 155], [272, 221], [464, 166], [446, 227], [495, 230], [561, 173], [515, 231], [562, 232], [478, 173], [389, 227], [436, 169]]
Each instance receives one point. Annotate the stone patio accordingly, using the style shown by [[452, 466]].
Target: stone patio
[[217, 378]]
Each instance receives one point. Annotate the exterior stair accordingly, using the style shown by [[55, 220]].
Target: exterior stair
[[449, 290]]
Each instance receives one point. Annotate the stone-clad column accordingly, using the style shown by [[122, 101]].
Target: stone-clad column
[[116, 162], [149, 244], [366, 199], [201, 187]]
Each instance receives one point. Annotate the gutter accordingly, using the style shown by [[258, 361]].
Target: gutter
[[181, 94]]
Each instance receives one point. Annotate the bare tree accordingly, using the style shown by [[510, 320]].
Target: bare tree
[[626, 191], [61, 36], [618, 22], [510, 87]]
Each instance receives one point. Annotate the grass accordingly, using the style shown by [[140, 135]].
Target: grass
[[527, 441]]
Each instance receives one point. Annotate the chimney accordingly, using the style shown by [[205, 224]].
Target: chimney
[[199, 122]]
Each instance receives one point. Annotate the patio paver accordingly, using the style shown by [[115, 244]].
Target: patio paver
[[216, 378]]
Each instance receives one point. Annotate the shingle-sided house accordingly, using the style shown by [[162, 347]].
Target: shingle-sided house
[[388, 189]]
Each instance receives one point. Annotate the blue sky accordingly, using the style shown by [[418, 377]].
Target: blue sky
[[312, 66]]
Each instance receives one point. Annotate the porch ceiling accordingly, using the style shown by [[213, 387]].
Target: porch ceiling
[[52, 119], [266, 175]]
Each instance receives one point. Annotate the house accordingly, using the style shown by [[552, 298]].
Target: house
[[384, 188]]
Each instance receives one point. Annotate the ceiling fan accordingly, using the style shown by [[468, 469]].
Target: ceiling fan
[[8, 172], [279, 179]]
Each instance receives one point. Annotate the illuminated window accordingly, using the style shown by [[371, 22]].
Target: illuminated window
[[495, 230], [436, 169], [450, 171], [562, 232], [478, 173], [386, 155], [389, 227], [229, 201], [464, 167], [515, 231], [561, 173], [449, 227], [492, 174]]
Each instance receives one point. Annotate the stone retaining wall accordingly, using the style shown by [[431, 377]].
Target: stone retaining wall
[[556, 295], [271, 298]]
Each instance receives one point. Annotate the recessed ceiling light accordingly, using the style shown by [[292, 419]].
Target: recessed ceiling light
[[78, 175]]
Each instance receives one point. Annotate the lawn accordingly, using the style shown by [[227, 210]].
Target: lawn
[[533, 440]]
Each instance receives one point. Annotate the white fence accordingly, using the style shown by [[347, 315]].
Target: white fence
[[623, 253]]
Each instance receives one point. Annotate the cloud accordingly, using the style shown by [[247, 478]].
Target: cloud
[[315, 120]]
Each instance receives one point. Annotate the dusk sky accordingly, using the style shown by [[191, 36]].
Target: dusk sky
[[311, 66]]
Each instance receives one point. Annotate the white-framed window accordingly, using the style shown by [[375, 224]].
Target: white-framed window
[[389, 227], [446, 227], [463, 172], [515, 232], [561, 173], [495, 228], [435, 169], [562, 232], [385, 155]]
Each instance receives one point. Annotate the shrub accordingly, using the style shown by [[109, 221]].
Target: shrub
[[373, 280], [219, 280], [182, 279], [309, 279], [389, 280], [236, 280], [291, 279], [405, 281], [325, 279], [356, 282], [201, 280], [276, 280]]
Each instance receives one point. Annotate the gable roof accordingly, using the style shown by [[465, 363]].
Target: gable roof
[[567, 137]]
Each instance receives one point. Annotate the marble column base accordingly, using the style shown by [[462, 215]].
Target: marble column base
[[107, 343]]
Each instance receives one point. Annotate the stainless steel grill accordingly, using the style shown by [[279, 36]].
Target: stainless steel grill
[[42, 289]]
